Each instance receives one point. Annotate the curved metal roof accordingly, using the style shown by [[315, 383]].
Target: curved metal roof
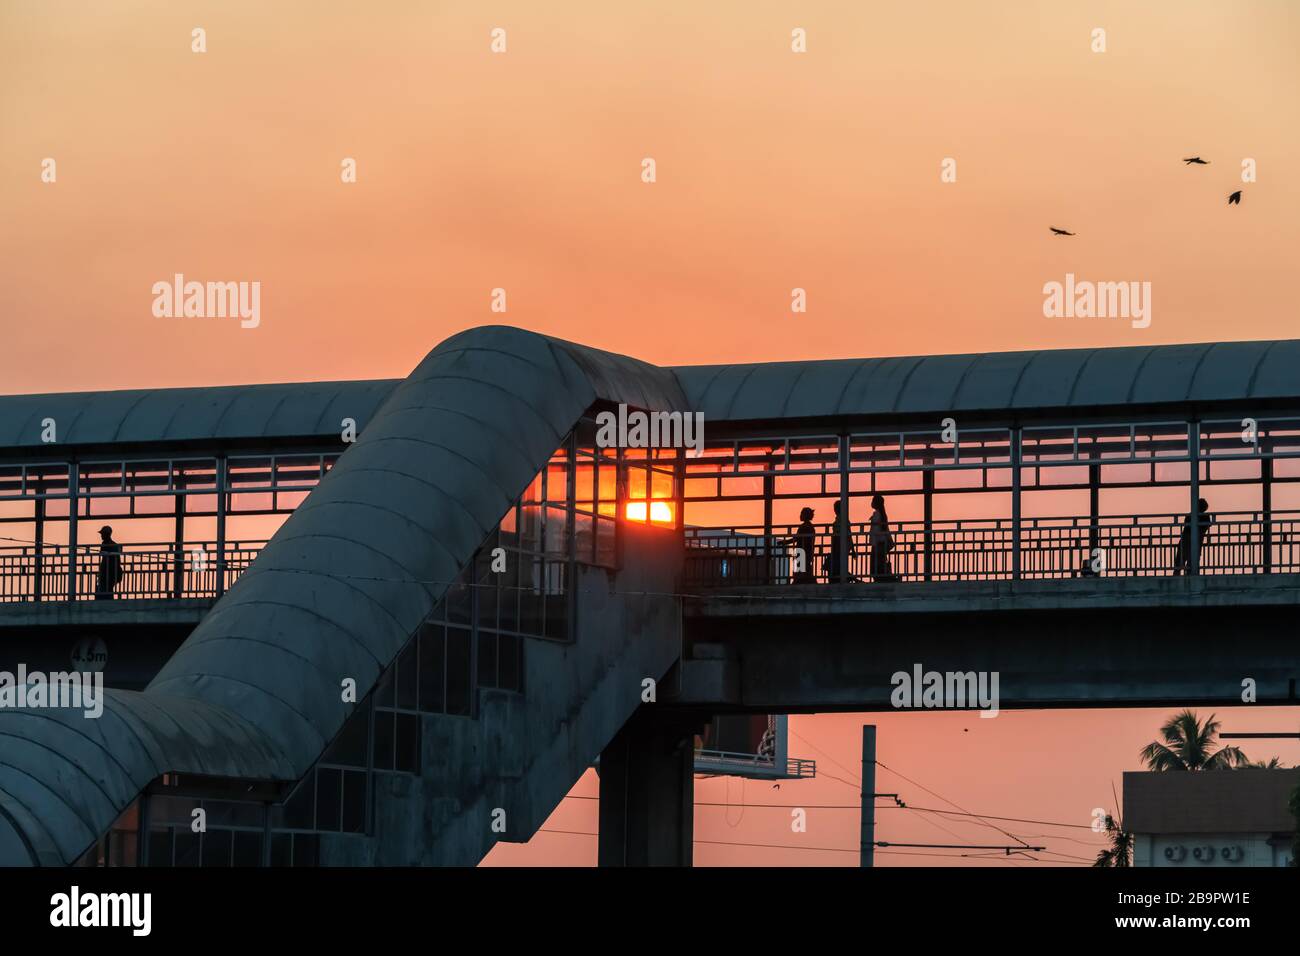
[[254, 691], [1070, 378], [994, 381], [235, 412]]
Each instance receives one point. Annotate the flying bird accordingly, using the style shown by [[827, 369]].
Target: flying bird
[[1197, 160], [1235, 198], [1060, 232]]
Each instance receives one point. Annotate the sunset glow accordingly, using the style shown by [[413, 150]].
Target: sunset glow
[[327, 192], [661, 512]]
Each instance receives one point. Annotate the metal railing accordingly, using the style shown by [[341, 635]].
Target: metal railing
[[985, 550], [965, 550], [725, 762], [32, 573]]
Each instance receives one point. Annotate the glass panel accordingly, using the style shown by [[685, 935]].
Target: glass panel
[[11, 481], [187, 847], [557, 479], [300, 808], [608, 488], [508, 529], [248, 848], [585, 537], [281, 849], [487, 588], [176, 811], [248, 473], [605, 542], [160, 847], [530, 527], [329, 797], [508, 597], [354, 801], [814, 454], [487, 659], [408, 743], [636, 481], [306, 849], [457, 601], [384, 692], [297, 470], [384, 739], [510, 667], [557, 528], [531, 607], [761, 456], [460, 680], [233, 813], [431, 669], [661, 484], [349, 748], [584, 492], [217, 847], [406, 678]]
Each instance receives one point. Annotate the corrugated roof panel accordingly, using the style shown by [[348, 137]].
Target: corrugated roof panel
[[721, 390], [1044, 380], [878, 384], [1105, 375], [765, 392], [1278, 375], [991, 380], [1226, 369], [1166, 375], [933, 387], [295, 410], [819, 388], [1048, 378]]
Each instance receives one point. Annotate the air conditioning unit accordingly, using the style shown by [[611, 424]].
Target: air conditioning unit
[[1233, 854], [1176, 854], [1204, 854]]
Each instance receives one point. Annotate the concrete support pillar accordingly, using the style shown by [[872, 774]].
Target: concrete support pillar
[[647, 793]]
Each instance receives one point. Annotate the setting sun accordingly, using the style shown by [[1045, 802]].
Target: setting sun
[[661, 512]]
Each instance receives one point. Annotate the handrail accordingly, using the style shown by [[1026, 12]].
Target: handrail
[[148, 571], [981, 549], [965, 549]]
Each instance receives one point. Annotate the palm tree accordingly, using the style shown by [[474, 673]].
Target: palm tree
[[1272, 763], [1120, 851], [1187, 746]]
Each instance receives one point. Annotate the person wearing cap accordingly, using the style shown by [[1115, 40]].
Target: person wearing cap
[[110, 565]]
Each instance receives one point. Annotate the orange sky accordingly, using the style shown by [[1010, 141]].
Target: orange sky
[[521, 171], [775, 170]]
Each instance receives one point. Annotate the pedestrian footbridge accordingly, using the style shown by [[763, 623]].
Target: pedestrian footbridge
[[356, 619]]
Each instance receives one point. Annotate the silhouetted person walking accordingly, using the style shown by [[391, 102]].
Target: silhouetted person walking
[[110, 565], [805, 540], [880, 541], [1183, 559]]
